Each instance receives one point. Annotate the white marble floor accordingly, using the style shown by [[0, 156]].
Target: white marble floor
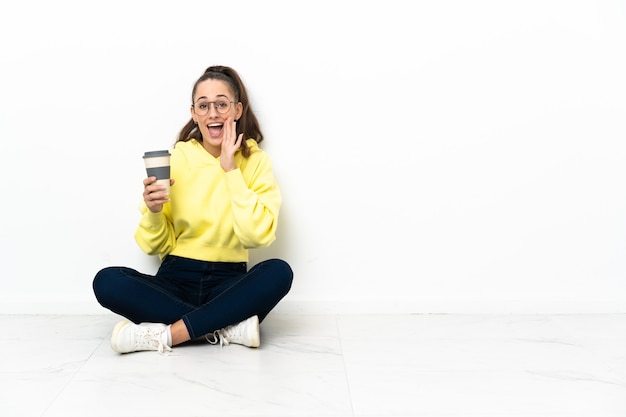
[[323, 365]]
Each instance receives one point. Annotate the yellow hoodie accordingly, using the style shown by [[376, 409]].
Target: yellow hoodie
[[213, 215]]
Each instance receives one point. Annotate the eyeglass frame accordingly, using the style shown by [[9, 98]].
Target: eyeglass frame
[[193, 106]]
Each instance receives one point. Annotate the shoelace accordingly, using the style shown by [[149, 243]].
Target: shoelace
[[217, 336], [149, 338]]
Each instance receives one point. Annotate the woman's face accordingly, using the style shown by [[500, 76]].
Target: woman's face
[[214, 104]]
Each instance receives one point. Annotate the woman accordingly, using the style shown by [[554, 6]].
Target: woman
[[223, 201]]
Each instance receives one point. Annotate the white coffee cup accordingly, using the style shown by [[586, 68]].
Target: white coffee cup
[[158, 165]]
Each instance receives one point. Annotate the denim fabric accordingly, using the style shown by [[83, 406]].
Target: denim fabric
[[207, 295]]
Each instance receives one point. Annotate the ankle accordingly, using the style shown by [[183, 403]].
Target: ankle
[[178, 333]]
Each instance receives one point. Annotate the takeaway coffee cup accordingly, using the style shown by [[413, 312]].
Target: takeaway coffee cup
[[158, 165]]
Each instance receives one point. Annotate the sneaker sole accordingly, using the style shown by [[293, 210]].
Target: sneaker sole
[[116, 331]]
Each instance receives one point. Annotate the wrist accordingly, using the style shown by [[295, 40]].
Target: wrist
[[228, 167]]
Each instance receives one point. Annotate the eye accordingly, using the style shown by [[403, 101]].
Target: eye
[[202, 106]]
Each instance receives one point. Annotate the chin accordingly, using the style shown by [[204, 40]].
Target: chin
[[213, 141]]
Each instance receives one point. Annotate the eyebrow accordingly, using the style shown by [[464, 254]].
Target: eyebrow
[[218, 96]]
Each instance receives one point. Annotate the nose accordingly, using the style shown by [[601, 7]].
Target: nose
[[213, 110]]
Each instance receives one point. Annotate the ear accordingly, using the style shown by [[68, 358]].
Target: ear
[[193, 115], [239, 111]]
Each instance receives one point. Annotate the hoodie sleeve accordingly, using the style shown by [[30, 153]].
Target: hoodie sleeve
[[155, 233], [256, 200]]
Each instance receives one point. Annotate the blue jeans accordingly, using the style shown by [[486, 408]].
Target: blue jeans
[[207, 296]]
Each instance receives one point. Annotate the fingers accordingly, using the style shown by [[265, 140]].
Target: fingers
[[231, 142], [154, 195], [230, 130], [148, 181]]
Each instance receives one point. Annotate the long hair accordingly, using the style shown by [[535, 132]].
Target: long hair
[[247, 123]]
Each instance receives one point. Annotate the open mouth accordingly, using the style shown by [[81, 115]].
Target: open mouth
[[215, 130]]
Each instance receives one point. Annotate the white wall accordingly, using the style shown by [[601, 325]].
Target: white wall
[[434, 156]]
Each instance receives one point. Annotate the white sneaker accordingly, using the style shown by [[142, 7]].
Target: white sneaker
[[130, 337], [245, 333]]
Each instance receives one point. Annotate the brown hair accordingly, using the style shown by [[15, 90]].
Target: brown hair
[[247, 123]]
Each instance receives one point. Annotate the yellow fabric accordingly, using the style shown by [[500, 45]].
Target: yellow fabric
[[213, 215]]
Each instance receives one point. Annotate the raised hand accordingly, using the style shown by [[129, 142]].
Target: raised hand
[[230, 144]]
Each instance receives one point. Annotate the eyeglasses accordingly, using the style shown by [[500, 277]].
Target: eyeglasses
[[221, 106]]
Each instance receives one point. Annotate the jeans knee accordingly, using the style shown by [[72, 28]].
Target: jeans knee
[[101, 284], [283, 274]]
